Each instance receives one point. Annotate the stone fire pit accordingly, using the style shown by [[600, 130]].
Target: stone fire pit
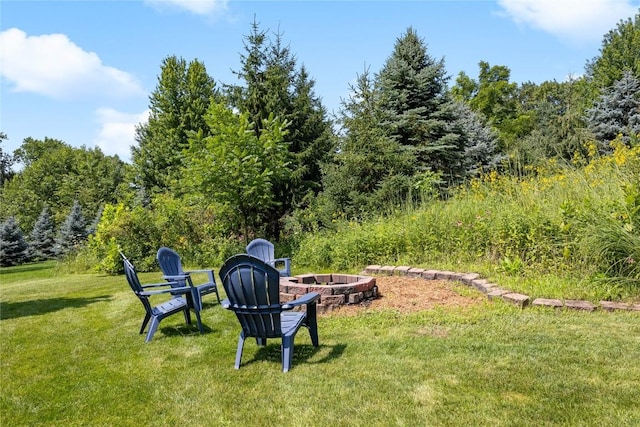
[[334, 289]]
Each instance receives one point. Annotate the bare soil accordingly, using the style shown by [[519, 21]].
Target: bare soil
[[407, 295]]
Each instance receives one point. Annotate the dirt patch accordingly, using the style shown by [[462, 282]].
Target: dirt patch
[[407, 295]]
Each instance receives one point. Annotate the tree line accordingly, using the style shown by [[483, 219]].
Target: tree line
[[217, 164]]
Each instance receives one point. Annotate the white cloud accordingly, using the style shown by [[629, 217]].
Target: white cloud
[[574, 20], [117, 131], [54, 66], [198, 7]]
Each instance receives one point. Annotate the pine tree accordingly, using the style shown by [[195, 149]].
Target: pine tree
[[617, 112], [417, 110], [273, 85], [178, 106], [367, 161], [481, 151], [42, 238], [13, 247], [73, 232]]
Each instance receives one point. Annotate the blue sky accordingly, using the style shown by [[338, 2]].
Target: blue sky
[[82, 71]]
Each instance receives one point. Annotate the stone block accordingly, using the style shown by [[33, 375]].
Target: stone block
[[444, 275], [483, 285], [365, 285], [332, 300], [579, 305], [518, 299], [613, 306], [372, 269], [306, 278], [546, 302], [287, 297], [468, 278], [322, 290], [497, 293], [402, 270], [323, 278], [297, 289], [415, 272], [429, 274], [355, 298], [387, 270]]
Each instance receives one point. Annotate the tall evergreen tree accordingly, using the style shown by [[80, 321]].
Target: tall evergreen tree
[[617, 112], [73, 231], [481, 152], [13, 247], [368, 164], [178, 105], [42, 239], [273, 85], [416, 107]]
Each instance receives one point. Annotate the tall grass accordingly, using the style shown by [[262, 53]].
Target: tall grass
[[578, 222]]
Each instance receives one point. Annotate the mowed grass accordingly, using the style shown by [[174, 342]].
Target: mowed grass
[[71, 356]]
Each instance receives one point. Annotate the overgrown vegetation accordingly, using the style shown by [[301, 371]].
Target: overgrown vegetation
[[523, 179]]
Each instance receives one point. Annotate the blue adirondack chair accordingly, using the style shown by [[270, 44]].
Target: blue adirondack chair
[[155, 314], [263, 249], [171, 267], [253, 294]]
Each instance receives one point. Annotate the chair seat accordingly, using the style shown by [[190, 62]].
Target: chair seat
[[253, 294], [171, 306], [291, 321]]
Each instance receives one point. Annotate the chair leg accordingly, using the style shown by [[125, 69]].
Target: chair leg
[[312, 324], [199, 321], [287, 353], [261, 342], [152, 328], [147, 316], [239, 350]]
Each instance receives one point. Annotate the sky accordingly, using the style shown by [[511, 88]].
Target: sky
[[81, 71]]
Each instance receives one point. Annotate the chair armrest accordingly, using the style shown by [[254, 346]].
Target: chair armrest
[[158, 285], [309, 298], [176, 277], [183, 290], [207, 272]]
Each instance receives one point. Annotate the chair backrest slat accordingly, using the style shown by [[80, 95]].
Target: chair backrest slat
[[253, 289], [262, 249]]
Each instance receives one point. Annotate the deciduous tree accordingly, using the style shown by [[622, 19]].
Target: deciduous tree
[[235, 168], [620, 52]]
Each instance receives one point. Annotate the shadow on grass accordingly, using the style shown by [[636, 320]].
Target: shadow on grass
[[302, 353], [26, 268], [13, 310], [184, 330]]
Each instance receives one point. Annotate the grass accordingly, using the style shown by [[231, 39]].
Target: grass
[[71, 355]]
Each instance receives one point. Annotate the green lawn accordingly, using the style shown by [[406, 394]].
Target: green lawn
[[71, 356]]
